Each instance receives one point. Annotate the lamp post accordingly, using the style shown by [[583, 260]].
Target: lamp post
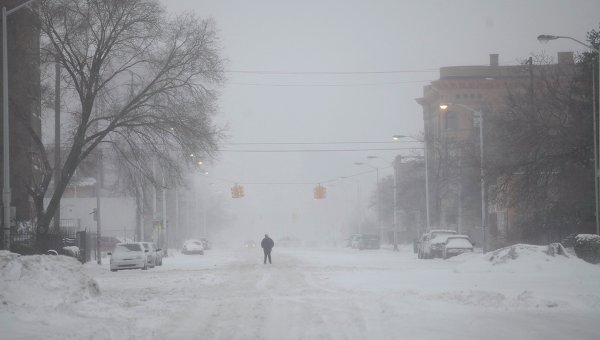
[[544, 38], [399, 137], [6, 192], [394, 208], [378, 199], [479, 114]]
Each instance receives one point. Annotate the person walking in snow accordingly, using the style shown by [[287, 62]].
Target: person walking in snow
[[267, 245]]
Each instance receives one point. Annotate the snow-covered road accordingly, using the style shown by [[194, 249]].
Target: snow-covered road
[[332, 294]]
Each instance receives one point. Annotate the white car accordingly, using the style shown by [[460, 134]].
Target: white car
[[432, 243], [456, 245], [193, 247], [128, 256], [154, 254]]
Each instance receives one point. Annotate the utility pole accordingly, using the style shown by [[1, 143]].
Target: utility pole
[[57, 161], [98, 218]]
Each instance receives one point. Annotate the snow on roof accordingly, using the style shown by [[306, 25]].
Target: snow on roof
[[42, 280]]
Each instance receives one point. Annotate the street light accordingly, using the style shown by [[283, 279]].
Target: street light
[[544, 38], [6, 192], [394, 209], [378, 199], [482, 171], [399, 137]]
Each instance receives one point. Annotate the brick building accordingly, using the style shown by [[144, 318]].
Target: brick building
[[454, 144]]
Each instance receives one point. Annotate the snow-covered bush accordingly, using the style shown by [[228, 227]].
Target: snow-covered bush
[[587, 247]]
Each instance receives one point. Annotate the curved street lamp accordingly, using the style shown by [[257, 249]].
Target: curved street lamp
[[378, 199], [424, 141], [544, 38], [479, 114]]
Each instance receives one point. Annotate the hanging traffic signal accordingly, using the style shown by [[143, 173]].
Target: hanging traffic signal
[[320, 192], [237, 191]]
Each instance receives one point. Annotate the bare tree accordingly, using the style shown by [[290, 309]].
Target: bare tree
[[144, 85], [541, 153]]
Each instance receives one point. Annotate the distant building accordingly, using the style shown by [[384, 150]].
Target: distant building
[[452, 138]]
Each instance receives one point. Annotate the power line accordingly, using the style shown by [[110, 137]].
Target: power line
[[317, 143], [317, 150], [329, 72], [329, 85]]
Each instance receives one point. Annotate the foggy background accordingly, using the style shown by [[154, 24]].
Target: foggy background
[[345, 72]]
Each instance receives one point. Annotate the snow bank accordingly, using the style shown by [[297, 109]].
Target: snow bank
[[525, 252], [43, 281]]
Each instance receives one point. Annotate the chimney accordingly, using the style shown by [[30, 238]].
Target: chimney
[[494, 59], [565, 58]]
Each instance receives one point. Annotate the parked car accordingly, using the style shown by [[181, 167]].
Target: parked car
[[355, 241], [420, 244], [155, 253], [128, 256], [206, 243], [192, 247], [432, 243], [457, 244], [368, 241], [150, 254]]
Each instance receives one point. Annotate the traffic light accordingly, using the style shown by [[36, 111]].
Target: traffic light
[[237, 191], [320, 192]]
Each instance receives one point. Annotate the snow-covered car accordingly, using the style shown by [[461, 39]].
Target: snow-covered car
[[206, 243], [192, 247], [457, 244], [368, 241], [128, 256], [355, 241], [432, 244], [150, 254], [154, 252]]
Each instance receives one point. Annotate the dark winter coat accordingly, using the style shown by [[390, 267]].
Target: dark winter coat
[[267, 243]]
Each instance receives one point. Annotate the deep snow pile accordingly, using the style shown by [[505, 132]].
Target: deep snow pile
[[526, 252], [43, 281]]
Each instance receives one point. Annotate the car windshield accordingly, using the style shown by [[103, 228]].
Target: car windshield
[[124, 248], [459, 243]]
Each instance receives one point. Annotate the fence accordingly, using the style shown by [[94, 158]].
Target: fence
[[26, 241]]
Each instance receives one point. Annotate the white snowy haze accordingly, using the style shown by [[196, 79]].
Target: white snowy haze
[[347, 71], [312, 88]]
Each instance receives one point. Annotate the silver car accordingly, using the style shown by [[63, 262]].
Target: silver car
[[128, 256], [456, 245], [155, 253]]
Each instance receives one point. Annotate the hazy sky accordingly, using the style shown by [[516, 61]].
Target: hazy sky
[[316, 38]]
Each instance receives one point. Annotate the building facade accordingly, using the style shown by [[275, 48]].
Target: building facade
[[454, 108]]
